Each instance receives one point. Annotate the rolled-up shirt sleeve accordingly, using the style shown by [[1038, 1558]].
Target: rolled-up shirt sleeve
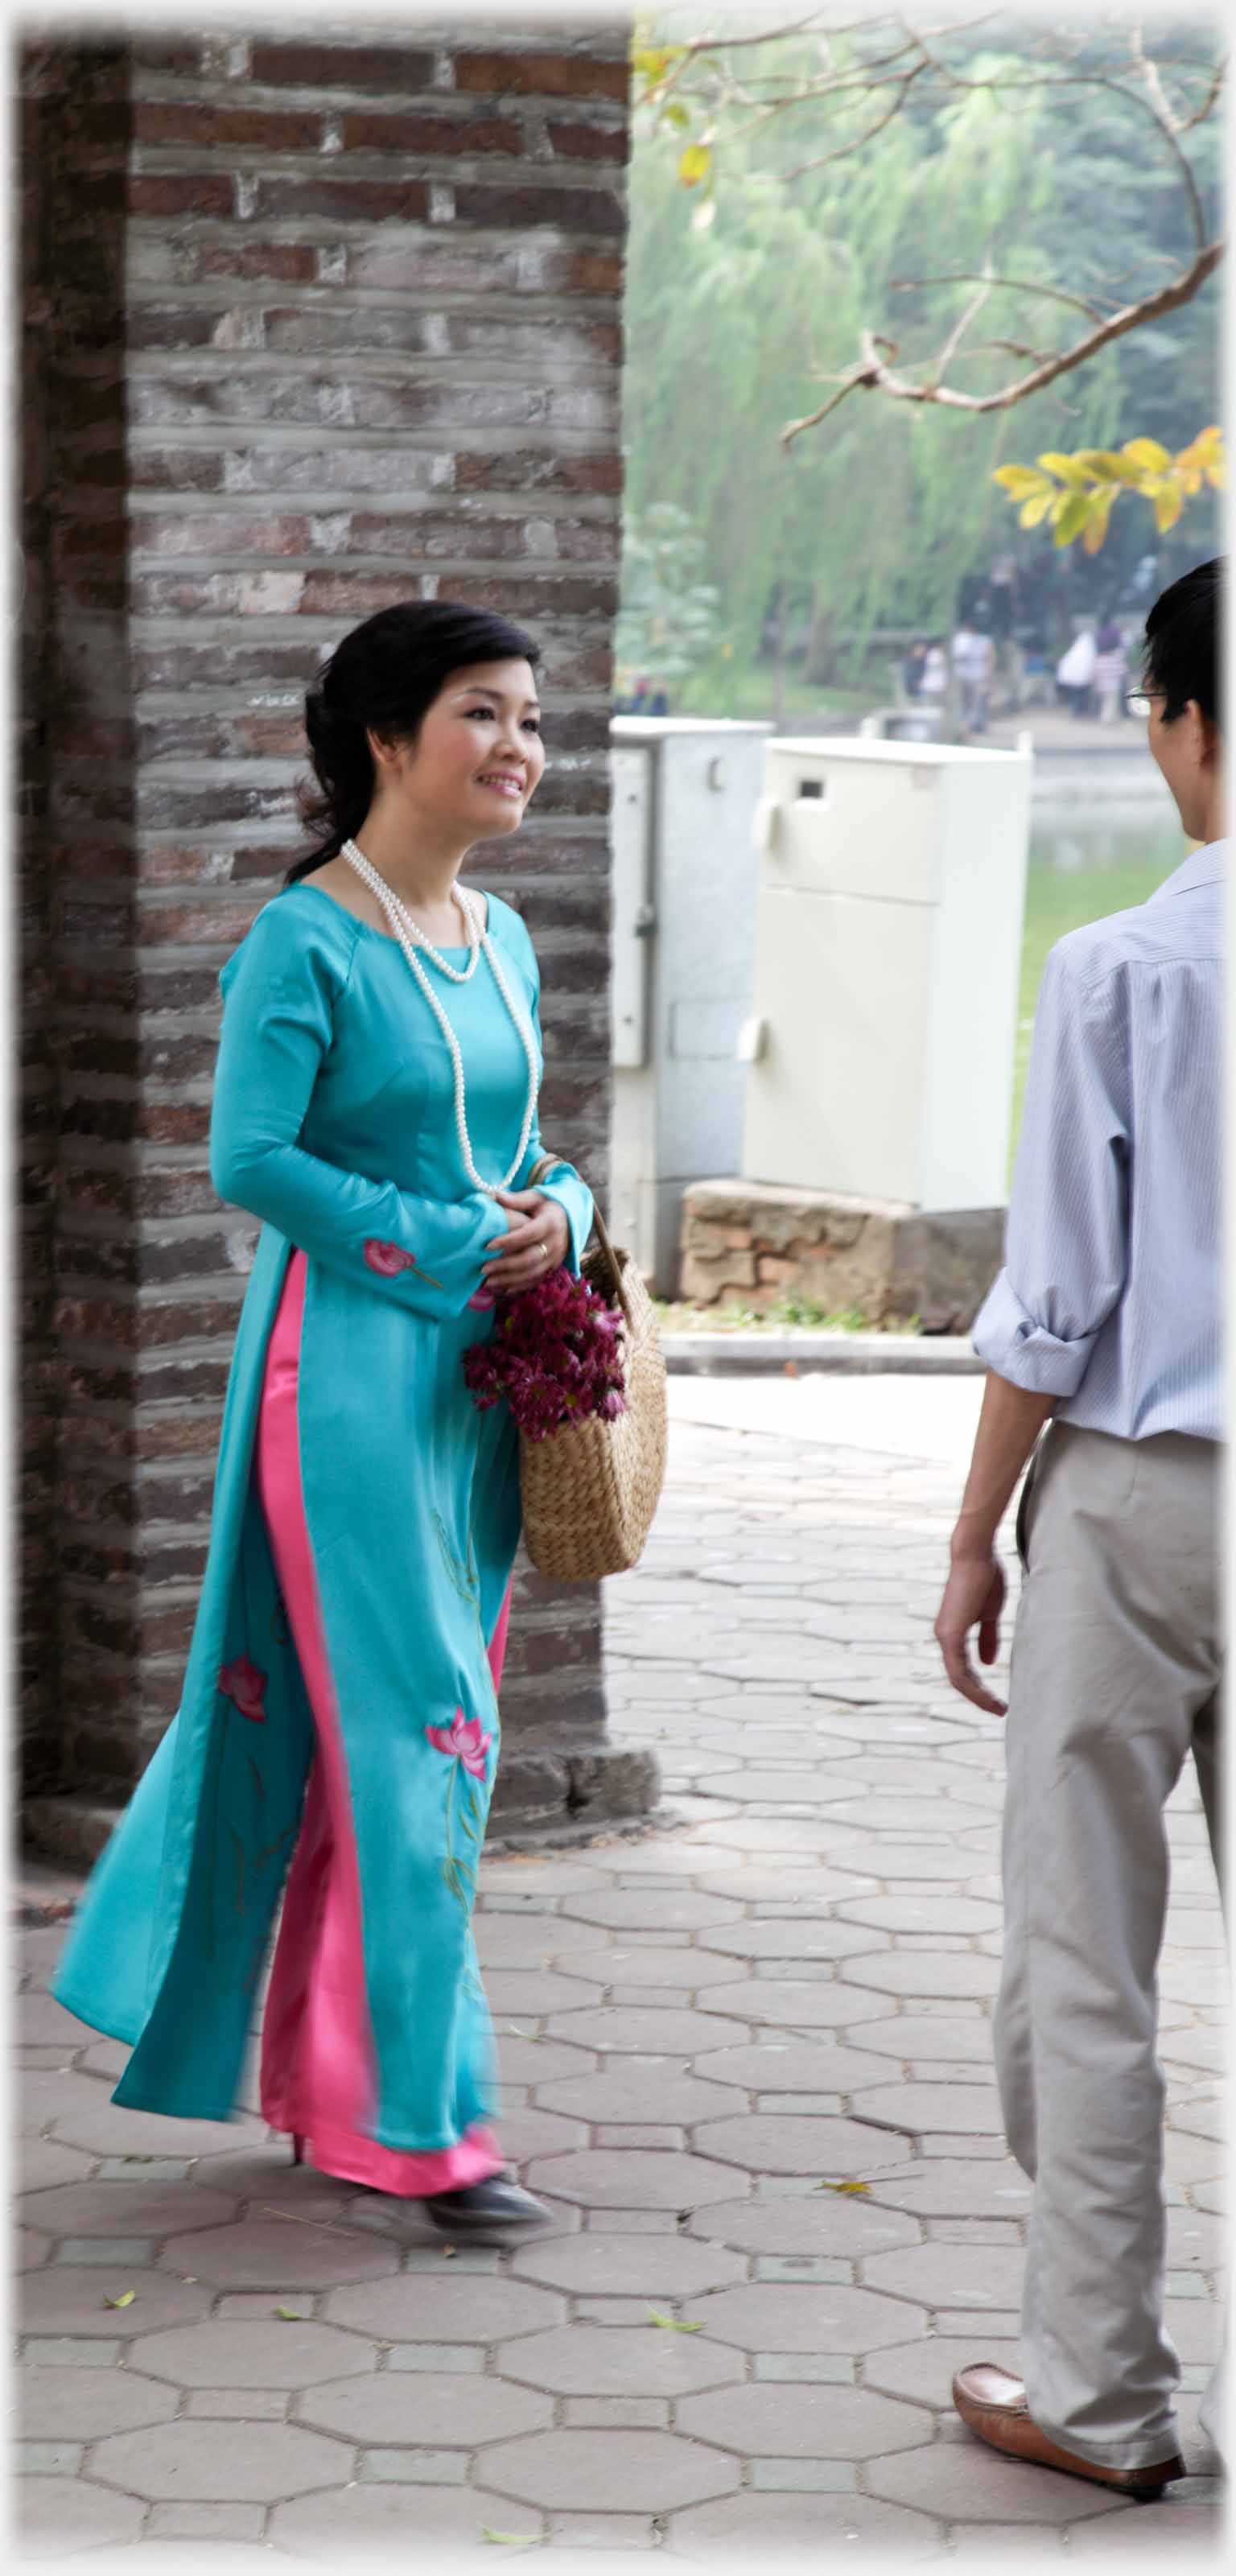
[[1067, 1240]]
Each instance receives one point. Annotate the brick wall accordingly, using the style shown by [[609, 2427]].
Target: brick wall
[[37, 1643], [76, 761], [367, 346]]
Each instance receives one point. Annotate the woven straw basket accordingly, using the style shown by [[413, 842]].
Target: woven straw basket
[[589, 1491]]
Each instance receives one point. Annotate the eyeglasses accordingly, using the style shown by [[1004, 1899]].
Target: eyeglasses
[[1140, 701]]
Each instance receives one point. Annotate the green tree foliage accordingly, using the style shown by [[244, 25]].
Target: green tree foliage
[[668, 622], [749, 288]]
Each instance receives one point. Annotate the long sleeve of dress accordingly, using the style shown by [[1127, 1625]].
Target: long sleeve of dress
[[280, 989], [563, 1183]]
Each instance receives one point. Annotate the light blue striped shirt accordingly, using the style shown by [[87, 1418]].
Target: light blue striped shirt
[[1111, 1293]]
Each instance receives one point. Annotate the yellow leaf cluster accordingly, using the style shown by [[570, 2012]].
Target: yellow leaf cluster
[[1075, 495], [652, 64], [695, 164]]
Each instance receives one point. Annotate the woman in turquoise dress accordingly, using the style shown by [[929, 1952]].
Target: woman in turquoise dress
[[336, 1742]]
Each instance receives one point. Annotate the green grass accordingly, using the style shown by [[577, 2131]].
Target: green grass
[[749, 696], [677, 1317]]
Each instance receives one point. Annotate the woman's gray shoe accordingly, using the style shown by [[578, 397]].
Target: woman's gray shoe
[[499, 2201]]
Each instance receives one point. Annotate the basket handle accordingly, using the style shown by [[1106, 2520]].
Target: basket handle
[[547, 1163]]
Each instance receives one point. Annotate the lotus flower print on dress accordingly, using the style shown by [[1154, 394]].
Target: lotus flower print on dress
[[464, 1741], [388, 1259], [242, 1682]]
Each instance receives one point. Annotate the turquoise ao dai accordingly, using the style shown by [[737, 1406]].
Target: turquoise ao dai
[[333, 1122]]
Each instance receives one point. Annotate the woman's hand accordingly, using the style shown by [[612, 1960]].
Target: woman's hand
[[538, 1238]]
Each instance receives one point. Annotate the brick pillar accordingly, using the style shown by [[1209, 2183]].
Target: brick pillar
[[365, 346], [81, 1615], [38, 1641]]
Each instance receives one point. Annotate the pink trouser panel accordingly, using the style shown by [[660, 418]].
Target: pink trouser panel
[[318, 2062]]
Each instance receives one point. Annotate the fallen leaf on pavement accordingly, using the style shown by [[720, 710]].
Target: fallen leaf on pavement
[[125, 2300], [295, 2316], [843, 2186], [675, 2325]]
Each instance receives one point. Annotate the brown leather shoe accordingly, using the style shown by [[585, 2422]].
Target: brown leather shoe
[[992, 2405]]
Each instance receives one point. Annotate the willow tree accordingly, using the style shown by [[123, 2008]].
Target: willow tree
[[837, 87], [1005, 232], [732, 322]]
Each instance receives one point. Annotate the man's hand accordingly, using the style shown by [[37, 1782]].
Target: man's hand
[[537, 1239], [974, 1594], [1009, 1424]]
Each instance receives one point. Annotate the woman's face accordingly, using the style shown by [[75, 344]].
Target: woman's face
[[478, 757]]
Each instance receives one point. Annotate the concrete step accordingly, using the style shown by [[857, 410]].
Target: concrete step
[[761, 1352]]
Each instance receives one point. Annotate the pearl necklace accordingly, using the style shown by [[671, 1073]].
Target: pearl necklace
[[394, 906], [412, 938]]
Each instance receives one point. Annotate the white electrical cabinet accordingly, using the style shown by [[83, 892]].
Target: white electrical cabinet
[[685, 790], [887, 970]]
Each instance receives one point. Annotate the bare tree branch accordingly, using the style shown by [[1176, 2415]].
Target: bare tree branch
[[953, 343], [1151, 71], [1011, 348], [885, 62], [862, 26], [844, 150], [1209, 102], [1016, 285], [698, 46], [874, 374]]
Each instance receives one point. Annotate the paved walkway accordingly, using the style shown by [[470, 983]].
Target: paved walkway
[[710, 2035]]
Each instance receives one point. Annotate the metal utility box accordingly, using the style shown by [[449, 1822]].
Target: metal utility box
[[685, 792], [888, 957]]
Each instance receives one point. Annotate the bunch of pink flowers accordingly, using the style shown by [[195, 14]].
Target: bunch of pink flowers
[[554, 1356]]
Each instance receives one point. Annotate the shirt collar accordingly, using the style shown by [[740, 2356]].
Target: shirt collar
[[1207, 866]]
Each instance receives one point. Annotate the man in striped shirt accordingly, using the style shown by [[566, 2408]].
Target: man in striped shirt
[[1105, 1322]]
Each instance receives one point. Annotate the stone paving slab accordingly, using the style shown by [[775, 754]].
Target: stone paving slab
[[745, 2057]]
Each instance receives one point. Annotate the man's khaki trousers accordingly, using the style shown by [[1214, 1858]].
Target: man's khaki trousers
[[1115, 1679]]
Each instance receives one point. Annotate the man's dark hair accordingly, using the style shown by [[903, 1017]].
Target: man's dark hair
[[1182, 650]]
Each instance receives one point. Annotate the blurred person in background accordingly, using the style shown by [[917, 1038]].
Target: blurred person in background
[[1075, 672], [1111, 670], [913, 667], [934, 682], [974, 663]]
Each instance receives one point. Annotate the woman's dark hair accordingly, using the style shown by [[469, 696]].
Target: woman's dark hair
[[385, 676], [1182, 650]]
